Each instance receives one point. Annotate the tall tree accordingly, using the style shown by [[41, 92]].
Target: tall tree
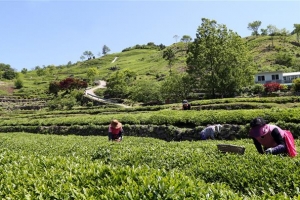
[[176, 87], [297, 31], [176, 38], [218, 60], [169, 55], [92, 72], [254, 26], [186, 39], [145, 91], [272, 30], [88, 54], [118, 83], [105, 50]]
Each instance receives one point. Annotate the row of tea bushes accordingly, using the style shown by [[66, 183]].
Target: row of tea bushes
[[35, 166]]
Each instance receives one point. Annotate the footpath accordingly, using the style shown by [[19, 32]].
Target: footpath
[[89, 92]]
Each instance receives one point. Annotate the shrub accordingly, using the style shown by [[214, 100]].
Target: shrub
[[272, 87]]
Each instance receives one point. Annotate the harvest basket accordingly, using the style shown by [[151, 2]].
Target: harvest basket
[[224, 148]]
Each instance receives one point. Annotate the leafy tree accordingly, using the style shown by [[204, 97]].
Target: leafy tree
[[218, 60], [258, 88], [285, 59], [105, 50], [186, 39], [297, 31], [88, 54], [9, 74], [70, 84], [145, 91], [169, 55], [19, 83], [41, 72], [82, 57], [296, 85], [92, 72], [264, 31], [254, 26], [176, 38], [177, 86], [24, 71], [272, 30], [54, 88], [118, 84]]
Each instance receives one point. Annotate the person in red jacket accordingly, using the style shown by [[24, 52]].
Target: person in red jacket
[[115, 131], [271, 139]]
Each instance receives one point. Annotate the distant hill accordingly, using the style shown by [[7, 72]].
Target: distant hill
[[270, 53]]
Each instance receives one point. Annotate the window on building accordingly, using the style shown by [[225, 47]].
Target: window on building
[[275, 77], [261, 78]]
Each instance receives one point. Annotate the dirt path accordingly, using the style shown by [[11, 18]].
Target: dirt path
[[102, 84]]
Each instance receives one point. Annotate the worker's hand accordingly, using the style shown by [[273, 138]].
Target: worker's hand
[[269, 151]]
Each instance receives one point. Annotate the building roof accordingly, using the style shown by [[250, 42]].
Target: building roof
[[291, 73]]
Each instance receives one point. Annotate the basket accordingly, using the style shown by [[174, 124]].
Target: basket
[[224, 148]]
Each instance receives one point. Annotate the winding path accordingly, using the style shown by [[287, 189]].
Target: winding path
[[89, 92]]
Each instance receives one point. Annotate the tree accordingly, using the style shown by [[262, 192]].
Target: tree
[[145, 91], [264, 31], [176, 38], [70, 84], [186, 39], [218, 60], [92, 72], [88, 54], [19, 83], [54, 88], [254, 26], [105, 50], [118, 84], [24, 71], [296, 85], [297, 31], [82, 57], [169, 55], [7, 72], [272, 30], [177, 86]]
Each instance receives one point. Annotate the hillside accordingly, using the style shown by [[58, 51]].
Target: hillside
[[275, 53]]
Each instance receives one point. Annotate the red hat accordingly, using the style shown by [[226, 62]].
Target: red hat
[[259, 131]]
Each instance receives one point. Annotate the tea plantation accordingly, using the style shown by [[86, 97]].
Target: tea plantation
[[36, 166]]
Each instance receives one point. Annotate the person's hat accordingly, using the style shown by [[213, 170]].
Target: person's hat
[[259, 131], [257, 122], [115, 124], [184, 101]]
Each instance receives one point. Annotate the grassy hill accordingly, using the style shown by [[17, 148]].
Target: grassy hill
[[269, 54]]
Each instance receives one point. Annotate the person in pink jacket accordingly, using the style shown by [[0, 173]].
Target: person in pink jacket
[[115, 131], [271, 139]]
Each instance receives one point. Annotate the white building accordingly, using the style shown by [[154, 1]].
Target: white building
[[278, 77]]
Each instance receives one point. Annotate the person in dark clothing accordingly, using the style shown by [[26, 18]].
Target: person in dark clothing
[[271, 139], [115, 131], [186, 105]]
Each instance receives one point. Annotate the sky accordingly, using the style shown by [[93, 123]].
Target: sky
[[54, 32]]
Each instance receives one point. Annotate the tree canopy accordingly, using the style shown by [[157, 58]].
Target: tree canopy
[[254, 26], [218, 60]]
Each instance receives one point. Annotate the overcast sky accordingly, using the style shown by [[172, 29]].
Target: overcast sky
[[44, 32]]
